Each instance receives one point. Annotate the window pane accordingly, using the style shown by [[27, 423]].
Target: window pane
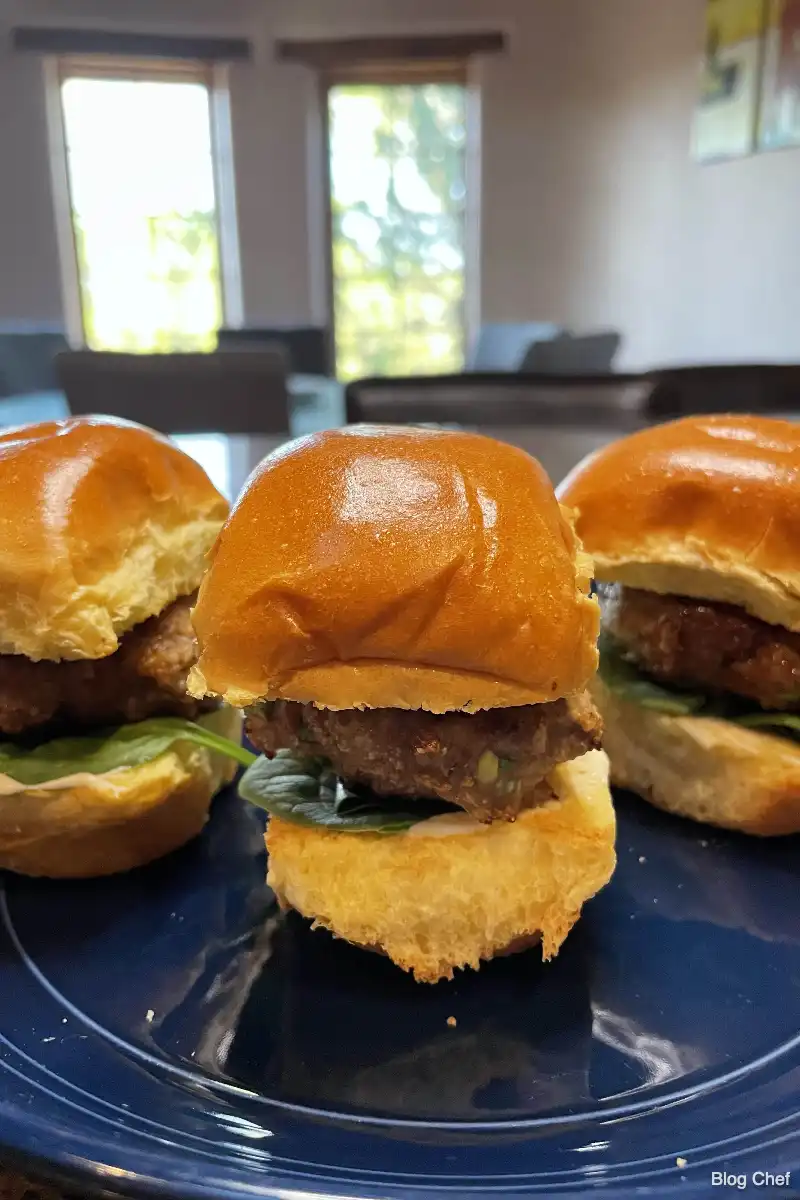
[[142, 186], [398, 195]]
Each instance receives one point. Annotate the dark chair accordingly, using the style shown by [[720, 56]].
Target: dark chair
[[238, 392], [502, 346], [573, 354], [307, 348], [558, 419], [754, 388], [28, 359]]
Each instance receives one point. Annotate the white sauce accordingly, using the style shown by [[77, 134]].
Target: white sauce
[[446, 825], [11, 787]]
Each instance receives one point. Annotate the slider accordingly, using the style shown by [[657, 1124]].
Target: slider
[[405, 616], [105, 761], [694, 527]]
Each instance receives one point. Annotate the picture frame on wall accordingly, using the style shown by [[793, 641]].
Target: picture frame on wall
[[780, 100], [727, 115]]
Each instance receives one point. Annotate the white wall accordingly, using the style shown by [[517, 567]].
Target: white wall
[[743, 252], [697, 263], [591, 212], [29, 280], [585, 161]]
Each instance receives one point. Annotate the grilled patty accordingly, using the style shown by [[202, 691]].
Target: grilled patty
[[492, 764], [715, 648], [145, 677]]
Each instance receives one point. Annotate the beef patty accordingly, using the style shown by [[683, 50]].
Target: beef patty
[[701, 644], [492, 763], [145, 677]]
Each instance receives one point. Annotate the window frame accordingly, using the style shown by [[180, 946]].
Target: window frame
[[151, 70], [212, 76]]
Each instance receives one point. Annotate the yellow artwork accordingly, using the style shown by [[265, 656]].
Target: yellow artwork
[[734, 21], [725, 123]]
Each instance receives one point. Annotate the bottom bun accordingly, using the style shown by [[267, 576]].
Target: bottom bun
[[710, 770], [451, 892], [104, 824]]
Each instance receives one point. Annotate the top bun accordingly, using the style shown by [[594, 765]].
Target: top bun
[[707, 507], [389, 567], [102, 524]]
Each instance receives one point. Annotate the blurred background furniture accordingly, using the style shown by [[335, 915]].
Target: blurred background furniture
[[573, 354], [559, 419], [497, 398], [503, 346], [27, 358], [33, 406], [238, 391], [230, 408], [315, 402], [308, 348], [757, 388], [558, 440]]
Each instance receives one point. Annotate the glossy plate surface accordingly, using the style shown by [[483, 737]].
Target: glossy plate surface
[[169, 1032]]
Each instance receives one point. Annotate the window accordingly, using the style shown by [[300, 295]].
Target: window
[[398, 194], [144, 217]]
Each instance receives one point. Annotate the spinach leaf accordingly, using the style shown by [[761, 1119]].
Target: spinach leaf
[[306, 792], [624, 680], [775, 720], [129, 746]]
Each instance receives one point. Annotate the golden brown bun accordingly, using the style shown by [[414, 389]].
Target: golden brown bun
[[435, 901], [704, 768], [102, 524], [706, 507], [389, 567], [104, 824]]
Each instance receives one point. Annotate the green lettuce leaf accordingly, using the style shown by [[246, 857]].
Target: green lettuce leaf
[[128, 746], [626, 681], [307, 792], [771, 720]]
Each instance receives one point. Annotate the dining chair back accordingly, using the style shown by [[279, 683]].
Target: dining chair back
[[235, 392]]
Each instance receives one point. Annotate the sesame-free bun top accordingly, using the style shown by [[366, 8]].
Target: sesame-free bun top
[[706, 507], [393, 567], [103, 523]]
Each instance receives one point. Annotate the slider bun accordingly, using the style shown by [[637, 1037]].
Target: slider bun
[[104, 824], [704, 768], [706, 507], [388, 567], [102, 524], [437, 902]]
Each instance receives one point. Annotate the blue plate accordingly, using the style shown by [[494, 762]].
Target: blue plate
[[168, 1032]]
